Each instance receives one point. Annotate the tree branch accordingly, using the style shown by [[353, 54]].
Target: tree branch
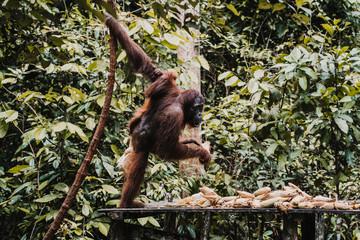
[[83, 170]]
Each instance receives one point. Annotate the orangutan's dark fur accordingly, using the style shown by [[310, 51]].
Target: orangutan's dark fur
[[157, 125]]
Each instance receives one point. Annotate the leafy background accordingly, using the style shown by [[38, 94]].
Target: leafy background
[[281, 82]]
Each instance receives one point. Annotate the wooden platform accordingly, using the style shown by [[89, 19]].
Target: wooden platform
[[311, 220]]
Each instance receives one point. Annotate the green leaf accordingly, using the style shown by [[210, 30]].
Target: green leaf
[[90, 123], [62, 187], [172, 39], [121, 56], [18, 189], [328, 28], [3, 128], [43, 184], [264, 4], [346, 99], [282, 161], [68, 100], [147, 27], [101, 99], [153, 221], [233, 9], [299, 3], [86, 209], [12, 116], [278, 7], [143, 221], [73, 128], [40, 133], [203, 62], [60, 126], [17, 168], [303, 83], [258, 74], [9, 80], [253, 85], [225, 75], [232, 81], [48, 198], [342, 124], [104, 228], [110, 189], [271, 149]]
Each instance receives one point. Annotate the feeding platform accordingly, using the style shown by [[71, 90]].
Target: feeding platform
[[311, 220]]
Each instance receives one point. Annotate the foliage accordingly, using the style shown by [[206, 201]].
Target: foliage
[[281, 83]]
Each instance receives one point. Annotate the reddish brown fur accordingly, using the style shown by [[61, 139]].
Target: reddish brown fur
[[157, 125]]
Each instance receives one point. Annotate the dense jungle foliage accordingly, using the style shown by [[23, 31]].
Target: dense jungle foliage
[[282, 88]]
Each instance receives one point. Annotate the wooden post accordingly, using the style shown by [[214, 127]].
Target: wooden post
[[170, 223], [290, 225], [205, 226], [319, 226], [308, 226]]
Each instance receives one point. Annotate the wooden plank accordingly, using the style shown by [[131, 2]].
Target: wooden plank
[[116, 213]]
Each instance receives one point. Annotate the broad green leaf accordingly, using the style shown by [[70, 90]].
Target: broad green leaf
[[48, 198], [233, 9], [104, 228], [43, 184], [264, 4], [172, 39], [60, 126], [346, 99], [18, 189], [318, 38], [258, 74], [153, 221], [9, 80], [282, 161], [3, 128], [71, 127], [68, 99], [155, 168], [203, 62], [301, 18], [101, 99], [299, 3], [40, 133], [342, 124], [17, 168], [147, 27], [62, 187], [110, 189], [253, 85], [278, 7], [225, 75], [328, 28], [121, 56], [311, 73], [143, 220], [232, 81], [86, 209], [303, 83], [227, 179], [90, 123], [271, 149], [113, 202], [81, 134]]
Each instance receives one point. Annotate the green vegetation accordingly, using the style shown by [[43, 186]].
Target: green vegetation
[[281, 81]]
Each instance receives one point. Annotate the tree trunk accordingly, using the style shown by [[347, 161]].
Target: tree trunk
[[83, 170], [186, 52]]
